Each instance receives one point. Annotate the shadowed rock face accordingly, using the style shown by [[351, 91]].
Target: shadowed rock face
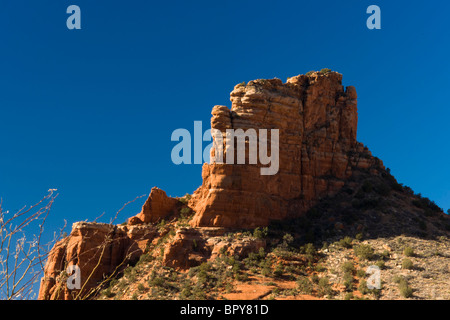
[[317, 121]]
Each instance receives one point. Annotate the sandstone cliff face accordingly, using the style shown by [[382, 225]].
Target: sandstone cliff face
[[317, 122]]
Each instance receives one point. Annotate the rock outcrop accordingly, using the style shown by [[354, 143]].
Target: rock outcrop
[[99, 251], [192, 246], [158, 206], [317, 122]]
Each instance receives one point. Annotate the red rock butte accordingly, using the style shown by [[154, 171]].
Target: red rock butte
[[317, 122]]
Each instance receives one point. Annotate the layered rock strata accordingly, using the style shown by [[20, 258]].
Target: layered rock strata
[[317, 122]]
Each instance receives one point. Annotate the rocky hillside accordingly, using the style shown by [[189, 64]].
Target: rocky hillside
[[308, 232]]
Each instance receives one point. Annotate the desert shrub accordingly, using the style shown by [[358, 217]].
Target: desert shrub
[[380, 264], [315, 278], [260, 233], [385, 254], [361, 273], [287, 240], [185, 199], [254, 258], [161, 224], [266, 271], [405, 290], [324, 287], [156, 281], [346, 242], [363, 287], [348, 267], [309, 250], [429, 206], [408, 251], [141, 287], [348, 296], [364, 251], [359, 236], [108, 293], [325, 70], [146, 257], [304, 285], [320, 268], [130, 273], [309, 73], [185, 212], [279, 270], [407, 264], [348, 281], [186, 291]]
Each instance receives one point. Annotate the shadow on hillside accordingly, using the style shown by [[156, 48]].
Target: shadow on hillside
[[372, 206]]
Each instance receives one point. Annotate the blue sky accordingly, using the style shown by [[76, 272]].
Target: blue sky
[[90, 112]]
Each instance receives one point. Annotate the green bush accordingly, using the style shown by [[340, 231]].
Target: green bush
[[325, 70], [348, 267], [363, 287], [361, 273], [405, 290], [185, 211], [364, 251], [324, 287], [141, 287], [309, 250], [266, 271], [346, 242], [348, 296], [380, 264], [185, 199], [260, 233], [408, 252], [304, 285], [407, 264], [385, 254], [108, 293], [348, 281], [279, 269]]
